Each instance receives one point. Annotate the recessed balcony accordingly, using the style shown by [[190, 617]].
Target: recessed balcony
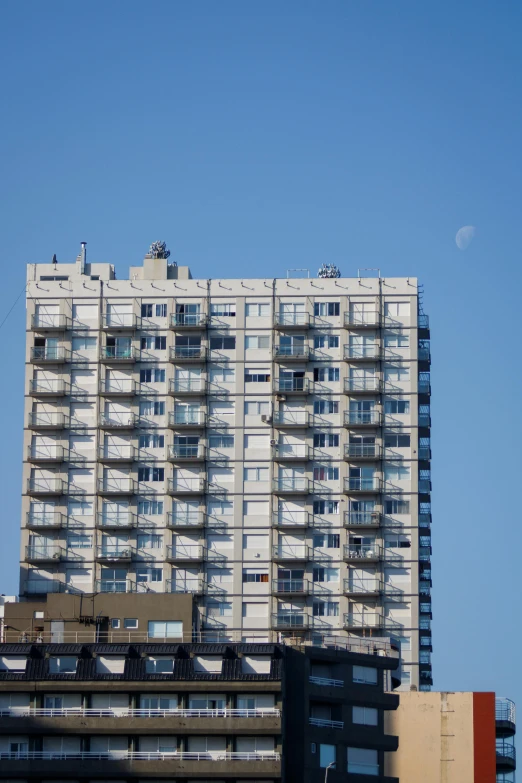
[[364, 319], [191, 321], [356, 419], [118, 421], [291, 486], [110, 453], [117, 387], [116, 520], [290, 353], [369, 385], [56, 322], [185, 387], [119, 321], [116, 586], [117, 486], [185, 519], [290, 452], [114, 553], [291, 587], [359, 485], [291, 320], [47, 421], [192, 586], [362, 553], [359, 519], [46, 354], [362, 452], [186, 453], [45, 520], [186, 486], [45, 486], [291, 386], [181, 354], [43, 553], [362, 587], [290, 621], [186, 419], [114, 354], [362, 353], [291, 520], [185, 553], [296, 553], [289, 418], [45, 453], [47, 387]]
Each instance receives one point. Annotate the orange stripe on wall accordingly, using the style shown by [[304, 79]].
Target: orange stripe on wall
[[484, 758]]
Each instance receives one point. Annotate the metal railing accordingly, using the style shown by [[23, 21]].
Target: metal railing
[[505, 750], [290, 351], [187, 385], [291, 586], [289, 552], [123, 755], [297, 485], [357, 451], [45, 453], [187, 353], [47, 420], [115, 520], [46, 386], [362, 518], [290, 519], [117, 420], [289, 385], [49, 519], [290, 620], [43, 552], [505, 710], [49, 353], [185, 519], [362, 585], [115, 552], [326, 681], [45, 486], [186, 486], [117, 353], [355, 352], [290, 451], [370, 384], [362, 418], [116, 453], [187, 418], [188, 320], [117, 386], [192, 586], [366, 620], [290, 418], [138, 712], [116, 586], [366, 318], [118, 321], [186, 452], [362, 552], [291, 319], [186, 552], [50, 321], [116, 486], [325, 723], [362, 484]]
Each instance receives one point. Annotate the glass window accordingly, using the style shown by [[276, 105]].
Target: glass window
[[159, 665], [222, 343], [158, 629], [253, 375], [223, 309], [326, 308], [257, 408], [326, 755], [367, 716], [397, 406], [130, 623], [363, 761], [256, 474], [258, 309], [365, 674], [258, 341]]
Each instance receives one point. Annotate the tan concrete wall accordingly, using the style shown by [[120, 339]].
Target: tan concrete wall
[[435, 733]]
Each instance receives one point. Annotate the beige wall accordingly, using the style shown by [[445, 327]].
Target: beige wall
[[435, 733]]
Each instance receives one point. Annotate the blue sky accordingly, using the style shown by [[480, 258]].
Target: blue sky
[[256, 137]]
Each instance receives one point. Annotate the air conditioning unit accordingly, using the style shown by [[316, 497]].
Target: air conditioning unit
[[273, 442], [264, 417], [280, 397]]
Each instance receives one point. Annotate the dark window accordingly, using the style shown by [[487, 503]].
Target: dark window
[[146, 311], [222, 343]]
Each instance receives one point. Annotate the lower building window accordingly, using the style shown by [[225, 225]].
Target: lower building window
[[363, 761]]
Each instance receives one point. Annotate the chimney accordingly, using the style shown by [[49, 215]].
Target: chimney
[[83, 257]]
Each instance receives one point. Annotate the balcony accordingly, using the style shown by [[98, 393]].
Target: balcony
[[47, 421], [291, 486], [185, 520], [424, 519], [45, 486], [110, 453], [117, 321], [370, 385], [114, 354], [118, 421], [362, 486], [187, 353], [362, 553], [46, 520], [290, 621], [324, 723], [424, 386], [193, 586], [424, 353], [49, 323], [424, 486], [192, 321], [424, 420], [506, 756], [186, 418], [297, 553], [362, 452], [363, 621], [116, 586], [47, 388], [185, 453], [362, 587], [295, 452], [424, 453], [291, 385], [116, 520], [45, 354], [505, 717], [290, 418], [43, 553], [291, 320], [114, 553], [43, 587], [365, 319], [45, 453], [291, 587], [290, 353], [186, 486], [185, 553], [362, 519], [117, 486], [291, 520], [362, 353], [181, 387], [117, 387], [372, 418]]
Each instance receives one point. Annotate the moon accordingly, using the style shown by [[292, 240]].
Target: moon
[[464, 236]]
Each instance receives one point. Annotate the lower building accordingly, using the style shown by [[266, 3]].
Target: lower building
[[452, 738], [156, 706]]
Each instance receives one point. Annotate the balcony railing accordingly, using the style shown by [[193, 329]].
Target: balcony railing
[[182, 553], [43, 587], [119, 552], [192, 586], [424, 486], [181, 386], [424, 386], [45, 519], [186, 453], [43, 553], [187, 353], [49, 353], [188, 321], [289, 486], [45, 453], [116, 353], [47, 387], [325, 723], [424, 520], [424, 353], [362, 451], [424, 420], [354, 353], [290, 320], [117, 387], [290, 352], [362, 319], [506, 755], [119, 321], [358, 484], [187, 418], [362, 385], [290, 586], [366, 620], [112, 453], [289, 553], [291, 519], [186, 486], [116, 586], [362, 519], [118, 420], [362, 552], [505, 710], [138, 712], [116, 486], [290, 418], [185, 519], [128, 755], [47, 420], [290, 452], [117, 520], [43, 322], [45, 486], [290, 620], [362, 418], [291, 385], [362, 586], [328, 682]]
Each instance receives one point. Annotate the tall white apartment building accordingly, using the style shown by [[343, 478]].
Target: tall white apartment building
[[261, 443]]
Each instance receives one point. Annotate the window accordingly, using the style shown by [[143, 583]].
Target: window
[[365, 674], [326, 406], [149, 575], [326, 439], [323, 574], [146, 310], [256, 474], [160, 311], [326, 540], [38, 615], [222, 508], [78, 541], [158, 343], [220, 374], [326, 473], [257, 408], [151, 474], [366, 716], [84, 343], [13, 663], [150, 507], [63, 664], [221, 441], [256, 664], [326, 308], [223, 309], [211, 664], [255, 441], [222, 343], [159, 665], [330, 374], [325, 609], [396, 373], [115, 623], [150, 540], [397, 507], [251, 609], [258, 341], [147, 440], [250, 575], [396, 308], [326, 506], [396, 340], [363, 761], [152, 375], [326, 755], [256, 508], [152, 408], [256, 375], [326, 341], [219, 609], [162, 630], [397, 472], [258, 309], [397, 406], [396, 440], [255, 541], [130, 623]]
